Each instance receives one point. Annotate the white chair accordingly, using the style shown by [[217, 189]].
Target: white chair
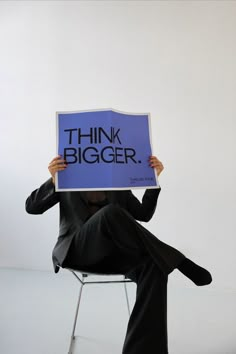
[[82, 276]]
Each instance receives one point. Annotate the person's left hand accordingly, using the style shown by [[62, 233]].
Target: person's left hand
[[157, 164]]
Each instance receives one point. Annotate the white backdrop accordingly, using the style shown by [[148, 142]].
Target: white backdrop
[[175, 59]]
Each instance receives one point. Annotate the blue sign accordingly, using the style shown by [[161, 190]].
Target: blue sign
[[104, 149]]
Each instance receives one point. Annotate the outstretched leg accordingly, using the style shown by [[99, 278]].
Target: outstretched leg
[[113, 229], [112, 226]]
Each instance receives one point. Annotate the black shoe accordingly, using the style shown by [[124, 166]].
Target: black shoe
[[200, 276]]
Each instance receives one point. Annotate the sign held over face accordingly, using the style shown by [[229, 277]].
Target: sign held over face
[[104, 149]]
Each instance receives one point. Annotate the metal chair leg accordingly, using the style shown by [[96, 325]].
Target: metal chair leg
[[127, 298], [76, 316]]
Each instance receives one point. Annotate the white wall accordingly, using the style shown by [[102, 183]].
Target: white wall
[[175, 59]]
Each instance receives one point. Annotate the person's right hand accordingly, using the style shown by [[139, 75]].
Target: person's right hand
[[57, 164]]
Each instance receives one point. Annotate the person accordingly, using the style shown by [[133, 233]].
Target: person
[[100, 231]]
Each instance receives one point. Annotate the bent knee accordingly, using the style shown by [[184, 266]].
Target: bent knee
[[112, 209], [115, 213]]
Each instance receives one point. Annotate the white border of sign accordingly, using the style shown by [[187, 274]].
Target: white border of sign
[[113, 188]]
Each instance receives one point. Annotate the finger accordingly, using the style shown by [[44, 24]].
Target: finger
[[61, 169], [159, 167], [58, 157], [153, 158], [155, 162], [57, 163], [54, 170], [56, 167]]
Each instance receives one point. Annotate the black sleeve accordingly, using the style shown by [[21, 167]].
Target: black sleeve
[[42, 198], [143, 211]]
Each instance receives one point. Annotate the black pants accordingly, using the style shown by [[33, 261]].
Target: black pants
[[111, 241]]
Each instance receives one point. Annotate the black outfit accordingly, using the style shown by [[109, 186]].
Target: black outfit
[[100, 233]]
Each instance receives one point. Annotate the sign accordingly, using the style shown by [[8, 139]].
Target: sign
[[105, 150]]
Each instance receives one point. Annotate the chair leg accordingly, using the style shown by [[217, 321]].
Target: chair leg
[[76, 316], [127, 298]]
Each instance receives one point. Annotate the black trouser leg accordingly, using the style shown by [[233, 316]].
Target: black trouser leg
[[114, 228], [147, 327], [127, 234]]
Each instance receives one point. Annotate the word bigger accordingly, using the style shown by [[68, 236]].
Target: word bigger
[[107, 154]]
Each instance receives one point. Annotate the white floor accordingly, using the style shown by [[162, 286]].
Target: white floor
[[37, 310]]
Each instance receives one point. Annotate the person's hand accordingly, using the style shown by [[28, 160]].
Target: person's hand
[[57, 164], [156, 164]]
